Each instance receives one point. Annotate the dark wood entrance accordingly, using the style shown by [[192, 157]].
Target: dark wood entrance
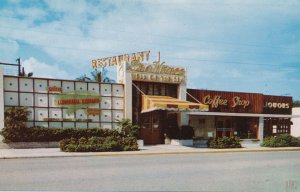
[[151, 127], [224, 127]]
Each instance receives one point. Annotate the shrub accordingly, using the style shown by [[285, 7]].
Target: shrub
[[224, 142], [130, 144], [187, 132], [45, 134], [14, 123], [127, 128], [172, 132], [99, 144], [282, 140]]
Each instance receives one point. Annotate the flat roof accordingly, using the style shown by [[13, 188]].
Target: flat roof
[[243, 114]]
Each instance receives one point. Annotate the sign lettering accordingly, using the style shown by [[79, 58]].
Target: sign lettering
[[117, 60], [277, 105], [217, 101], [77, 100], [54, 89]]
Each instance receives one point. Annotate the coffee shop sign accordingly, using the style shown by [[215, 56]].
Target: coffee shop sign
[[217, 101]]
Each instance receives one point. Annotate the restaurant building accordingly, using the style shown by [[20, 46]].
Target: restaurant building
[[153, 95]]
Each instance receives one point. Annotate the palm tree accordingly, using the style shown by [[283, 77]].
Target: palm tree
[[83, 78], [96, 76]]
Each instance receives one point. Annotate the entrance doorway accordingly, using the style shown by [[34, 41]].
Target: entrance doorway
[[151, 127], [224, 127]]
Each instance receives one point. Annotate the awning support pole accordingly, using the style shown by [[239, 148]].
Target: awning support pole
[[261, 129], [193, 97]]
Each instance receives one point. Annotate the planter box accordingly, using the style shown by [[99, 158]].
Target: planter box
[[200, 143], [29, 145], [140, 143], [185, 142], [167, 141]]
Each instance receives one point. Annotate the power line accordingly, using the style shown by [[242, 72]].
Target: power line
[[235, 62], [160, 44], [232, 62], [177, 58], [163, 36]]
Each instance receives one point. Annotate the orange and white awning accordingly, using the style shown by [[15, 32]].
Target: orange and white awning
[[152, 103]]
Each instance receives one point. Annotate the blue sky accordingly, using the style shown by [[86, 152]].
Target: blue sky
[[246, 46]]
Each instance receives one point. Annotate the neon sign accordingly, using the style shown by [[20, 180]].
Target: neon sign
[[117, 60]]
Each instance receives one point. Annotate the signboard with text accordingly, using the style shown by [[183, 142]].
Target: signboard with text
[[237, 102]]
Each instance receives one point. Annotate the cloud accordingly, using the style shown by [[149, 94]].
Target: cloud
[[209, 38], [9, 49], [41, 69]]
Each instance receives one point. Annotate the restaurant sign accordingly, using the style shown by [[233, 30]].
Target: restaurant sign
[[155, 72], [117, 60]]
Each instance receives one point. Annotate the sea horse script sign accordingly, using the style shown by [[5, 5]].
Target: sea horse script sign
[[157, 71]]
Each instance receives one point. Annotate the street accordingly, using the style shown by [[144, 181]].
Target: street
[[263, 171]]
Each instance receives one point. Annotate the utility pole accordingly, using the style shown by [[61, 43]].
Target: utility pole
[[19, 66]]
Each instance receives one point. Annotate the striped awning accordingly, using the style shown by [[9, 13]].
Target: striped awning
[[152, 103]]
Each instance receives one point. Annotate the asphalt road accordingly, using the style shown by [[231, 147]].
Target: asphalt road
[[264, 171]]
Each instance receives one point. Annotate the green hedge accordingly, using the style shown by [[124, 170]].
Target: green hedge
[[224, 142], [99, 144], [282, 140], [43, 134]]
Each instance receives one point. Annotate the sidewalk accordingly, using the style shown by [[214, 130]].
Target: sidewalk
[[145, 150]]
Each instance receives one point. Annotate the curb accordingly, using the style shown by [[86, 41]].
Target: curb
[[200, 152], [156, 153]]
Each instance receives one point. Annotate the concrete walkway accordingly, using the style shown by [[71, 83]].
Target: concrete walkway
[[145, 150]]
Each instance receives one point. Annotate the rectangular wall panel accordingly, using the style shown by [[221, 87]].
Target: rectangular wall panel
[[55, 113], [106, 90], [106, 115], [80, 86], [26, 84], [11, 84], [68, 115], [94, 125], [40, 85], [41, 114], [117, 115], [81, 125], [26, 99], [54, 83], [105, 102], [41, 100], [106, 125], [31, 114], [68, 125], [11, 99], [34, 93], [81, 114], [118, 91], [41, 124], [52, 100], [67, 86], [94, 117], [55, 124], [118, 103], [94, 87]]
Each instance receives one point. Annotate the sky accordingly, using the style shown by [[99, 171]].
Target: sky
[[244, 46]]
